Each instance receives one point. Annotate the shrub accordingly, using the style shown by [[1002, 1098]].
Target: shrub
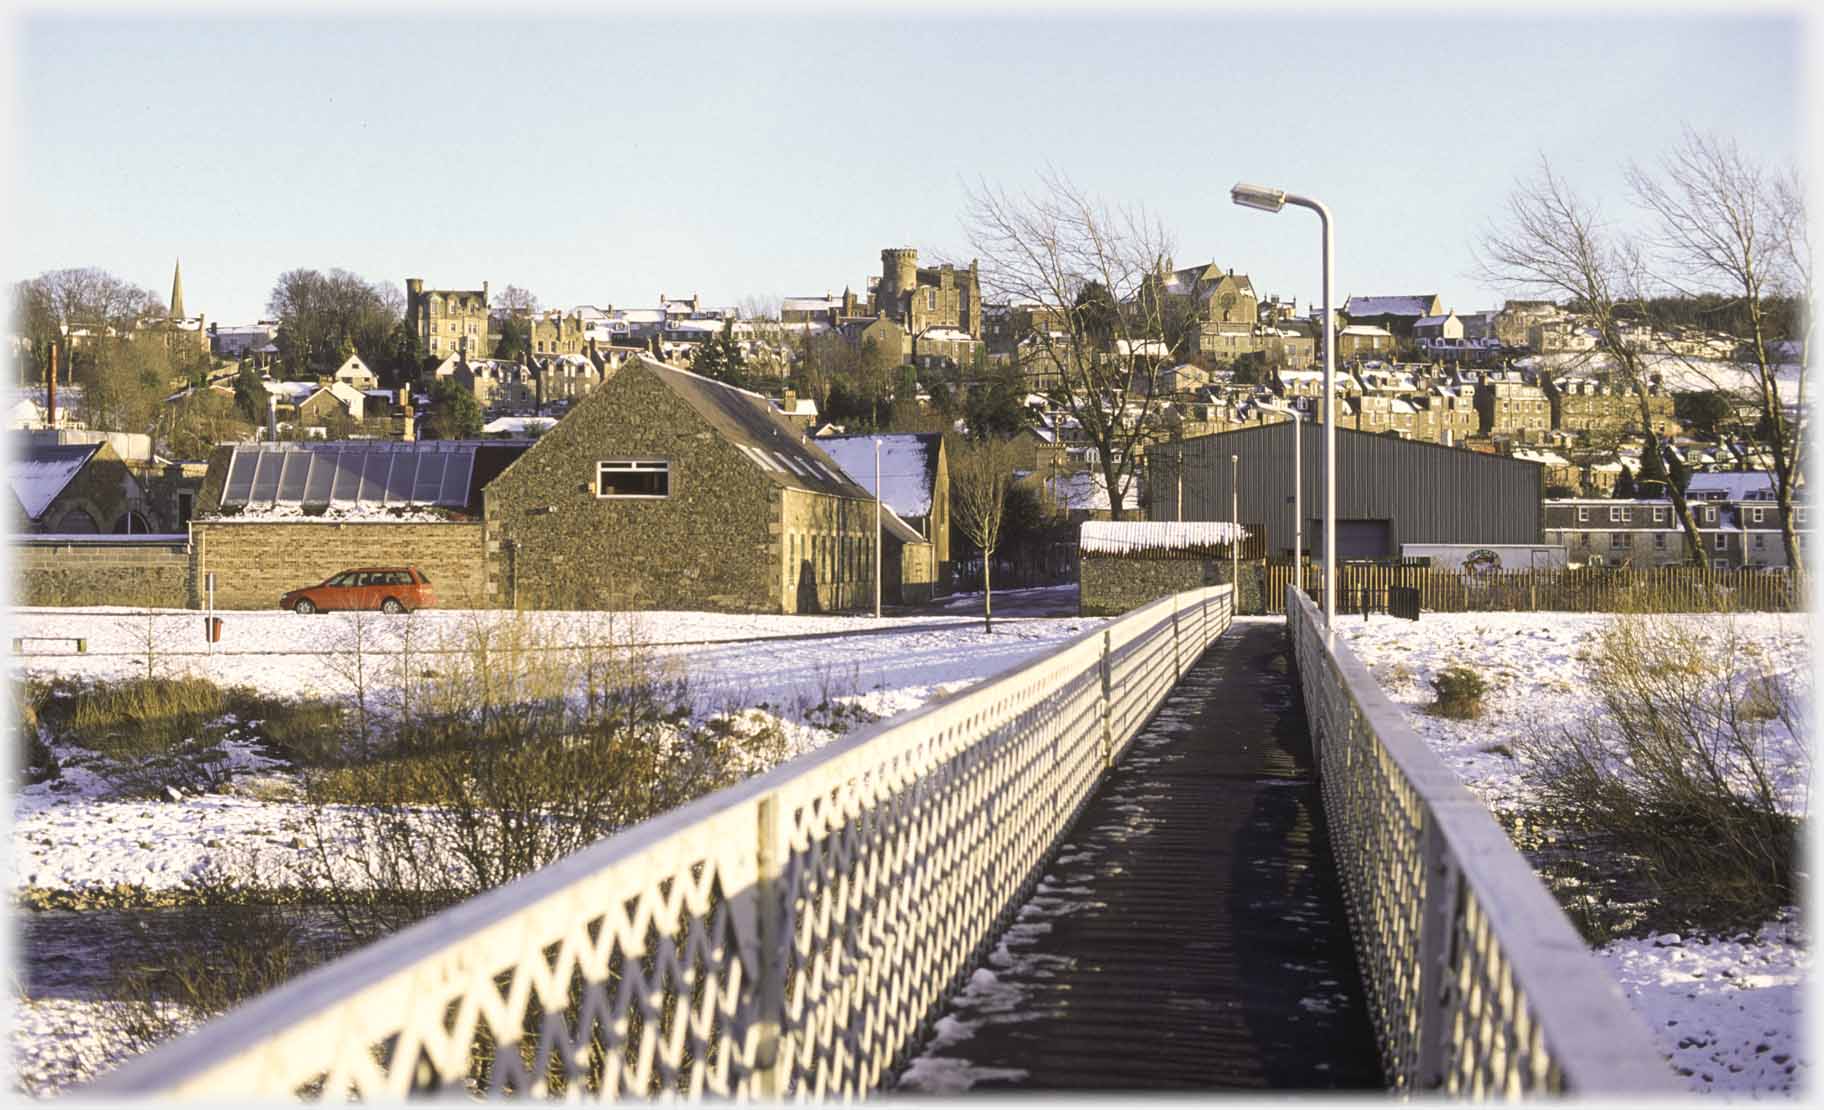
[[514, 754], [32, 758], [1674, 773], [1460, 691]]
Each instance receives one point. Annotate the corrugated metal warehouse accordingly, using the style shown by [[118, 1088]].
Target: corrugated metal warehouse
[[1389, 491]]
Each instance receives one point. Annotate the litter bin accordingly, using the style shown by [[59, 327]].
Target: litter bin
[[212, 629]]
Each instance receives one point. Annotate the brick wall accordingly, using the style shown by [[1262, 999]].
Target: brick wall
[[256, 561], [151, 575]]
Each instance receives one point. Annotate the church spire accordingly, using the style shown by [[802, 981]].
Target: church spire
[[177, 290]]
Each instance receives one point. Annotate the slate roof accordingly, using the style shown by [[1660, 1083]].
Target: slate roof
[[762, 433], [39, 473], [1415, 306]]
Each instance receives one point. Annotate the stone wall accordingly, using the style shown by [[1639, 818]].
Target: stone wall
[[256, 561], [1109, 585], [103, 573]]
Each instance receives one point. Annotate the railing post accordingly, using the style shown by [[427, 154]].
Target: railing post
[[770, 1066], [1177, 660], [1434, 972], [1108, 738]]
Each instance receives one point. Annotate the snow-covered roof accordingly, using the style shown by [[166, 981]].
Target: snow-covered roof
[[950, 335], [1432, 321], [1365, 329], [39, 473], [908, 467], [518, 425], [810, 304], [1129, 537], [1731, 485], [1418, 305]]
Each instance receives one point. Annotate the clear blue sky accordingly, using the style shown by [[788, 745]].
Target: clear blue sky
[[609, 160]]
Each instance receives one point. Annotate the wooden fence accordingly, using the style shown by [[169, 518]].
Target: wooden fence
[[1579, 590]]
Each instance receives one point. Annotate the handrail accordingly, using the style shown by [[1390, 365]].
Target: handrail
[[793, 935], [1478, 983]]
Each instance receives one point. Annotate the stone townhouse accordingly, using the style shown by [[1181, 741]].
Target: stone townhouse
[[1510, 406], [1589, 407], [665, 490], [1445, 327], [1646, 533], [1290, 343], [825, 310], [448, 321], [1444, 414], [1364, 341], [557, 333]]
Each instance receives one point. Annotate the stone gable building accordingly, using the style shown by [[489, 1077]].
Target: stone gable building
[[448, 321], [665, 490]]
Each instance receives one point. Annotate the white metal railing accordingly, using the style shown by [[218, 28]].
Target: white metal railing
[[789, 936], [1477, 982]]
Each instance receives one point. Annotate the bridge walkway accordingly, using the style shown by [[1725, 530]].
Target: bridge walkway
[[1189, 934]]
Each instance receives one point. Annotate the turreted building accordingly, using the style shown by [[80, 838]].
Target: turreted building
[[448, 321], [929, 298]]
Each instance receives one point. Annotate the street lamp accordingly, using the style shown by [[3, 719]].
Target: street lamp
[[1272, 200]]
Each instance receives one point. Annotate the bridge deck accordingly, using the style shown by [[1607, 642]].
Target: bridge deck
[[1190, 932]]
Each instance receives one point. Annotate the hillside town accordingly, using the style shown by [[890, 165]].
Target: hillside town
[[105, 446]]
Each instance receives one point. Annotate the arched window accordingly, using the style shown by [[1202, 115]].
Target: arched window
[[77, 522]]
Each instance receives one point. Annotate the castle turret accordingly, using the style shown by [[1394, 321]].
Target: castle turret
[[898, 276]]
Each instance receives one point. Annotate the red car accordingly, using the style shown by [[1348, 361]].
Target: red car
[[388, 589]]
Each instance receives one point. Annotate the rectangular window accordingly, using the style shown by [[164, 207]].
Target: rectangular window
[[1659, 540], [1583, 514], [633, 478], [1618, 539], [1754, 514], [1722, 541], [1615, 514], [1760, 542], [1659, 516]]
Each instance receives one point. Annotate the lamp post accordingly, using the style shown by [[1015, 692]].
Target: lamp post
[[1272, 200], [878, 545]]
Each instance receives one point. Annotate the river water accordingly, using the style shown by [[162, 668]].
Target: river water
[[79, 954]]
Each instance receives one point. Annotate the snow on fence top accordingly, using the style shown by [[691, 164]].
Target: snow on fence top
[[1131, 537]]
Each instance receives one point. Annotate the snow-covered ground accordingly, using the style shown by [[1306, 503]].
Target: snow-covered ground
[[70, 837], [1726, 1009]]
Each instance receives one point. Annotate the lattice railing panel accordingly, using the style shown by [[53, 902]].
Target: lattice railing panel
[[1477, 982], [791, 936]]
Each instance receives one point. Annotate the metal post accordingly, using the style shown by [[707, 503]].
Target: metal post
[[1235, 528], [1329, 420], [877, 543], [1298, 500]]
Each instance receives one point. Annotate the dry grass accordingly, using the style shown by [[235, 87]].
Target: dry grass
[[1675, 774]]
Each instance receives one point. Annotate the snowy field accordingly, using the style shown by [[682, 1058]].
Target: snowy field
[[69, 837], [1726, 1009]]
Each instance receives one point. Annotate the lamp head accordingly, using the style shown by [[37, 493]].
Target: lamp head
[[1258, 196]]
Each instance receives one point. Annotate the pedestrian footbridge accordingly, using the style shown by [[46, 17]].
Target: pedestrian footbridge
[[1175, 854]]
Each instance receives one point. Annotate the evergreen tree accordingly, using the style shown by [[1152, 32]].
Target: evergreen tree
[[454, 414], [1624, 486], [249, 394]]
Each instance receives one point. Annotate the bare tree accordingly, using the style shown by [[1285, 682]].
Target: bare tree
[[1724, 225], [981, 471], [1083, 267], [515, 300], [1552, 244]]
